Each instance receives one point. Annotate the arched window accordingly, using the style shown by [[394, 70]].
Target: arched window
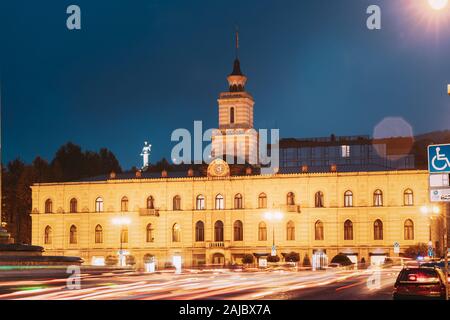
[[378, 230], [348, 230], [98, 234], [348, 198], [219, 202], [238, 201], [409, 229], [124, 234], [48, 206], [318, 230], [262, 201], [99, 204], [176, 233], [73, 205], [378, 198], [124, 204], [199, 231], [218, 231], [200, 203], [150, 203], [262, 231], [290, 231], [149, 233], [290, 199], [232, 115], [177, 203], [73, 235], [318, 199], [408, 197], [48, 235], [238, 230]]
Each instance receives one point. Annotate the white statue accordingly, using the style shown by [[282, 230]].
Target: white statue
[[146, 154]]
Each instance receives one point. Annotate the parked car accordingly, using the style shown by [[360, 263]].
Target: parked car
[[420, 283]]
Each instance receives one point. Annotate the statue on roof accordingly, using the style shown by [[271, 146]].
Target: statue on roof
[[145, 154]]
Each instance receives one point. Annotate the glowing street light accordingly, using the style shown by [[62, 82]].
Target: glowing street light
[[438, 4], [273, 216], [122, 222]]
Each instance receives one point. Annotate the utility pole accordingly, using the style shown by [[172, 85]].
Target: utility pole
[[445, 214]]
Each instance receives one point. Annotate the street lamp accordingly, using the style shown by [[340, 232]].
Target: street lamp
[[273, 216], [121, 221]]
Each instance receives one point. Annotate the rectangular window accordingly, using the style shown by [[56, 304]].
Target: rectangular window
[[345, 151]]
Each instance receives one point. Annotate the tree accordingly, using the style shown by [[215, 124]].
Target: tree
[[273, 258], [420, 249], [306, 261], [131, 260], [342, 259], [247, 259], [292, 257]]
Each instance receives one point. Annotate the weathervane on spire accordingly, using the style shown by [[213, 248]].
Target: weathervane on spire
[[146, 154], [237, 42]]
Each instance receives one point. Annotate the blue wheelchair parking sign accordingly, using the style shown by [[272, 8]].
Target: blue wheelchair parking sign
[[439, 158]]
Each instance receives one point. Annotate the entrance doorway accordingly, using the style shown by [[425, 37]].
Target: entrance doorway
[[319, 260], [218, 259]]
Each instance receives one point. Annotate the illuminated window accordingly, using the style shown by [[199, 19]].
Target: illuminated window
[[48, 235], [318, 199], [378, 198], [408, 197], [238, 230], [345, 151], [149, 233], [200, 203], [290, 231], [318, 230], [290, 199], [73, 237], [177, 203], [220, 205], [378, 230], [124, 204], [238, 201], [262, 201], [218, 231], [48, 206], [409, 229], [348, 199], [73, 205], [99, 204], [199, 231], [98, 234], [348, 230], [176, 233], [262, 231], [150, 203]]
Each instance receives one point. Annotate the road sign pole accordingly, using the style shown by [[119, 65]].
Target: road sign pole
[[445, 213]]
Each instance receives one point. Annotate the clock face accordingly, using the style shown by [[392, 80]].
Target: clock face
[[218, 168]]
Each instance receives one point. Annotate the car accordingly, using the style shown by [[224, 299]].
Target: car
[[420, 283]]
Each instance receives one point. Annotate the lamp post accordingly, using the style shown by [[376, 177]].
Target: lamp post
[[436, 211], [273, 216], [121, 222]]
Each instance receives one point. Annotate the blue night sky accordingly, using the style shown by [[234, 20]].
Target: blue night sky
[[137, 70]]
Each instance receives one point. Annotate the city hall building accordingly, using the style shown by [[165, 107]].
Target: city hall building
[[219, 213]]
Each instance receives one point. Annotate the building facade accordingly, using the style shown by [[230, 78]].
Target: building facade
[[218, 219]]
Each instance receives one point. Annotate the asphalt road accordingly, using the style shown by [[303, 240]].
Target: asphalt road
[[100, 284]]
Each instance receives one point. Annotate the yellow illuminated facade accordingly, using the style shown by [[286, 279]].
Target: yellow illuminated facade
[[216, 220]]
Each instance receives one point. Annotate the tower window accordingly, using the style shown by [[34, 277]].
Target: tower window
[[232, 115]]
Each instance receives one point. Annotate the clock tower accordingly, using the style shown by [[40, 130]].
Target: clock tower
[[236, 136]]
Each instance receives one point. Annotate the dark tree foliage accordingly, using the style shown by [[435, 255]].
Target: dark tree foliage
[[342, 259], [419, 249], [247, 259], [70, 163], [292, 257]]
